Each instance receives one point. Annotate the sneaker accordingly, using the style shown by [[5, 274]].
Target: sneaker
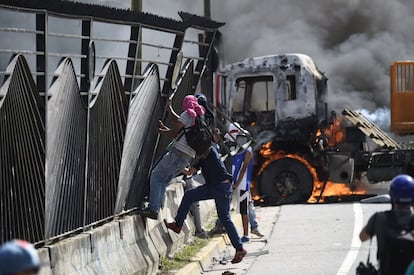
[[257, 233], [201, 234], [218, 229], [245, 239], [173, 226], [148, 213], [239, 256]]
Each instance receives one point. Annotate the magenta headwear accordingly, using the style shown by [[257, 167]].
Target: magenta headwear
[[191, 106]]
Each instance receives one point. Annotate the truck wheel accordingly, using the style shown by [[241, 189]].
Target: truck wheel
[[285, 181]]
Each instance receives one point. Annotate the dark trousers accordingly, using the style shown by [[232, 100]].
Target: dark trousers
[[221, 193]]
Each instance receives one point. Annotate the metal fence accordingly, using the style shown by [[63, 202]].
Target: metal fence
[[78, 112]]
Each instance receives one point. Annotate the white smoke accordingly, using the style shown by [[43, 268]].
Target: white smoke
[[381, 117]]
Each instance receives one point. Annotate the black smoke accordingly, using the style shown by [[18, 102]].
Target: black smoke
[[353, 41]]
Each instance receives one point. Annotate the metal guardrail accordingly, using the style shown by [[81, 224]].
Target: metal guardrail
[[68, 165]]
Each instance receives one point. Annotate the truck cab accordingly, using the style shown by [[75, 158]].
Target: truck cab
[[279, 99], [299, 145], [283, 94]]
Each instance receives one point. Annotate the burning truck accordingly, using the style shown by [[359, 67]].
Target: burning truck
[[303, 150]]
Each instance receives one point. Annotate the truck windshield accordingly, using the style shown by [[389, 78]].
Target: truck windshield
[[254, 94]]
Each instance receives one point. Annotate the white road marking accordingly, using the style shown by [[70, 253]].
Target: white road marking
[[355, 244]]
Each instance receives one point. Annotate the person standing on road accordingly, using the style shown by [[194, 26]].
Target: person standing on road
[[400, 216], [178, 155], [218, 187], [242, 169]]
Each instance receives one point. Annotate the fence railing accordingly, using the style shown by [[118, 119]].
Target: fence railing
[[77, 143]]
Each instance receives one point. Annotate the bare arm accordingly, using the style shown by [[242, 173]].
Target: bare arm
[[170, 110], [170, 132], [247, 159]]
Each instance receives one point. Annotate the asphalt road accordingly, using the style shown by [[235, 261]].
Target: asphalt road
[[305, 239]]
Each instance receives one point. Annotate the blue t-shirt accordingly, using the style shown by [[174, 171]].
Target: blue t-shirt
[[238, 161]]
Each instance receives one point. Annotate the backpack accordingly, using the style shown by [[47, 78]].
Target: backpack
[[399, 246], [199, 137]]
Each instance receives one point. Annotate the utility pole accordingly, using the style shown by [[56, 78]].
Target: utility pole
[[207, 9], [206, 76], [201, 36], [136, 5]]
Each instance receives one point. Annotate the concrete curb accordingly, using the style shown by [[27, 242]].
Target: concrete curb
[[216, 245], [203, 258]]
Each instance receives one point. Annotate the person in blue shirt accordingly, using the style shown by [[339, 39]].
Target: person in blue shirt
[[242, 170], [218, 187]]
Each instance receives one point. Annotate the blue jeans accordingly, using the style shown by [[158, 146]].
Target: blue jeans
[[221, 193], [252, 216], [168, 167]]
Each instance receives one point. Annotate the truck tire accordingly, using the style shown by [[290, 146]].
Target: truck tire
[[286, 181]]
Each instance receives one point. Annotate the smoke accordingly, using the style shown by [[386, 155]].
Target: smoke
[[381, 117], [353, 41]]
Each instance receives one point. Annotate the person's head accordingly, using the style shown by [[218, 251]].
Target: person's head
[[402, 190], [236, 133], [191, 106], [202, 99], [18, 257]]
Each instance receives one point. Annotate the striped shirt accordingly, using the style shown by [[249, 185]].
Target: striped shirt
[[181, 143]]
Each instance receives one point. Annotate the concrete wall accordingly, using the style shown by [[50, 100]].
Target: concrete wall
[[129, 245]]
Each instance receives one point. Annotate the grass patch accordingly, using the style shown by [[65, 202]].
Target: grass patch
[[183, 256]]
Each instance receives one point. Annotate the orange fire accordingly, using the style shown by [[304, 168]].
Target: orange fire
[[334, 133], [330, 188]]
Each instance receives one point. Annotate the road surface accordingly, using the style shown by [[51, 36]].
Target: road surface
[[304, 239]]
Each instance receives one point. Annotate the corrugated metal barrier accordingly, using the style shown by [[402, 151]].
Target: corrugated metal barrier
[[76, 147]]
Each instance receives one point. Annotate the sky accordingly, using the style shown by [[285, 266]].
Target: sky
[[353, 42]]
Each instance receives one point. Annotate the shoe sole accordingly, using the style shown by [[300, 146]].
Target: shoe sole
[[148, 215]]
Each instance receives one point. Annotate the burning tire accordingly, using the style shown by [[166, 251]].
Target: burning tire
[[285, 181]]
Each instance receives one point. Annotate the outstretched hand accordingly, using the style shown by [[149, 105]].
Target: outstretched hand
[[162, 127]]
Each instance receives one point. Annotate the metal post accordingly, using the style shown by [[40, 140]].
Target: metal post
[[136, 5], [86, 32], [207, 9]]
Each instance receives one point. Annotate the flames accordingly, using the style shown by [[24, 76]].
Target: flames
[[332, 189], [334, 135]]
